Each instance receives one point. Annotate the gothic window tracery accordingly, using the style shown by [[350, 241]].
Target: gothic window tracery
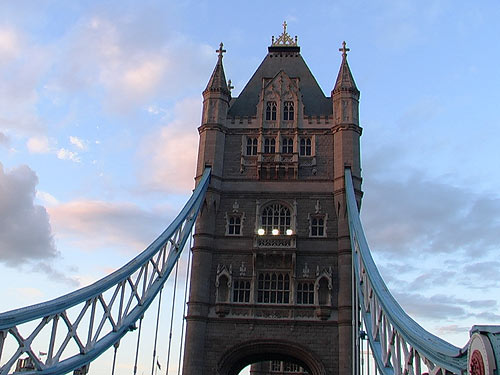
[[273, 287], [288, 111], [305, 148], [305, 293], [241, 291], [276, 217], [287, 145], [271, 110], [234, 225], [318, 227], [269, 145], [252, 146]]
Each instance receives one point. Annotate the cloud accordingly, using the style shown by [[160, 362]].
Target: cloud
[[4, 140], [419, 215], [23, 65], [101, 52], [25, 231], [65, 154], [98, 224], [78, 143], [168, 154], [38, 145], [9, 45]]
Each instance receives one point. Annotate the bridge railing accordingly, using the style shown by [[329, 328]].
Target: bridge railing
[[400, 345], [105, 310]]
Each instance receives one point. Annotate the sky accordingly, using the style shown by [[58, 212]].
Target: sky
[[100, 103]]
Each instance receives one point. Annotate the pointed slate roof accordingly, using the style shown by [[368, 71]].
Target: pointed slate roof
[[288, 59], [217, 81], [345, 80]]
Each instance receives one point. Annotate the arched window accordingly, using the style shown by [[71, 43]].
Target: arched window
[[273, 287], [288, 111], [271, 111], [305, 147], [276, 217], [269, 145], [241, 291], [317, 227], [251, 146], [234, 225], [305, 293], [287, 145]]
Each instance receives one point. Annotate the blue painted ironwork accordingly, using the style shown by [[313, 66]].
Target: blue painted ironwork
[[398, 343], [133, 288]]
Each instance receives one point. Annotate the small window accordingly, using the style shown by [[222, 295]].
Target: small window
[[305, 147], [287, 145], [305, 293], [251, 146], [288, 111], [234, 225], [271, 111], [273, 288], [317, 227], [269, 146], [275, 366], [241, 291]]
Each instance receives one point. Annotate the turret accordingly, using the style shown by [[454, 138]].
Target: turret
[[346, 153], [216, 99]]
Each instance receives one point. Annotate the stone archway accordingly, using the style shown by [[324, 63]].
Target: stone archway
[[242, 355]]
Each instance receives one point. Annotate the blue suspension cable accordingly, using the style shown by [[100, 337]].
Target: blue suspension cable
[[184, 305], [172, 317]]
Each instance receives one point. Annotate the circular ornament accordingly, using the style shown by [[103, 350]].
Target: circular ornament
[[480, 357]]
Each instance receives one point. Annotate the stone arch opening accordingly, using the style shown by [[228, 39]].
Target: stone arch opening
[[240, 356]]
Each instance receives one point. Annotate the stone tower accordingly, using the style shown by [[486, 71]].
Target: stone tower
[[271, 276]]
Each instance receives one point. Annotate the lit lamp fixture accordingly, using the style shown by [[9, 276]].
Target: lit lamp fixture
[[275, 232], [289, 232], [261, 231]]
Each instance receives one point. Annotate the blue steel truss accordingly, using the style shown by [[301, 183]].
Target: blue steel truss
[[398, 343], [132, 288]]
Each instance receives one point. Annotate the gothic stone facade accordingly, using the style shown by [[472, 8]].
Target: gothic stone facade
[[271, 275]]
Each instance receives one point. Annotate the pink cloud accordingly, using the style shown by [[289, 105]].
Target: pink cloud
[[168, 154]]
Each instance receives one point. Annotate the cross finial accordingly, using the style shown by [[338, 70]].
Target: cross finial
[[284, 27], [344, 50], [220, 51]]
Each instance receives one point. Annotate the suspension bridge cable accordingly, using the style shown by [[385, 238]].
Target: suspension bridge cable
[[116, 345], [184, 305], [172, 317], [156, 331], [137, 346]]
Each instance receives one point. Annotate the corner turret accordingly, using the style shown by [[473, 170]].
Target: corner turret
[[345, 94]]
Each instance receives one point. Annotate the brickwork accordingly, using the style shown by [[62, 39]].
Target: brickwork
[[237, 314]]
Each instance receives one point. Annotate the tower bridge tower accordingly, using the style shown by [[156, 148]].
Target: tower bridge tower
[[271, 276]]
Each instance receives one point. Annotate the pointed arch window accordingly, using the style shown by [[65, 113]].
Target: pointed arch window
[[288, 112], [271, 111], [269, 145], [241, 291], [305, 147], [305, 293], [251, 146], [276, 217], [287, 145]]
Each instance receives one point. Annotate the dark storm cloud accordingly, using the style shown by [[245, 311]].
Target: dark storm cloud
[[25, 232], [423, 215]]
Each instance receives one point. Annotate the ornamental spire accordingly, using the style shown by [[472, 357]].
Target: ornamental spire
[[345, 80], [217, 82], [284, 40]]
